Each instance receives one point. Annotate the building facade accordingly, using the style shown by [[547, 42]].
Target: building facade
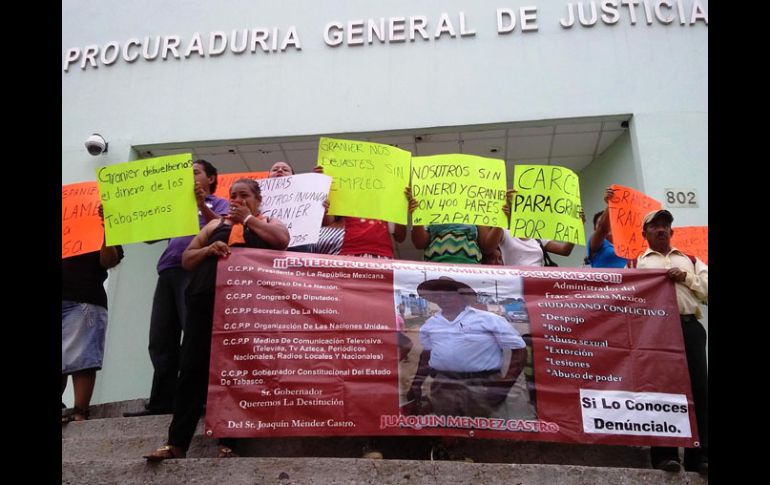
[[615, 90]]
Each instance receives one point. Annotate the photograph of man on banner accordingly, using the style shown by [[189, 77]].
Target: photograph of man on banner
[[471, 357]]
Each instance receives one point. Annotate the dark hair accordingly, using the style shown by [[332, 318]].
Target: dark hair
[[597, 216], [251, 183], [287, 163], [210, 170]]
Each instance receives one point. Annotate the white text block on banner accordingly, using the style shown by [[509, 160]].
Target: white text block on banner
[[635, 413], [297, 201]]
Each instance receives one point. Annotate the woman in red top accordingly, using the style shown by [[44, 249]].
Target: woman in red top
[[369, 238]]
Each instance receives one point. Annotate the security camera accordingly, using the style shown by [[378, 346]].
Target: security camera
[[96, 145]]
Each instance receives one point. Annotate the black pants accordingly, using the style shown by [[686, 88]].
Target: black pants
[[192, 385], [695, 348], [166, 325]]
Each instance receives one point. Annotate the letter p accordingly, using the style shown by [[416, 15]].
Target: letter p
[[72, 56]]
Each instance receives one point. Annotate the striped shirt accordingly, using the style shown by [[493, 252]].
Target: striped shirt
[[329, 240]]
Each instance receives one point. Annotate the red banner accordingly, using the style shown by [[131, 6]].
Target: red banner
[[317, 345]]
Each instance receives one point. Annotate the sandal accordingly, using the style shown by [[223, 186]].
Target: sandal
[[227, 452], [165, 452], [76, 414]]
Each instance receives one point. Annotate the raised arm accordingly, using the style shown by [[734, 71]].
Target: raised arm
[[420, 237], [602, 225], [200, 198], [327, 220], [399, 232], [491, 237], [108, 255]]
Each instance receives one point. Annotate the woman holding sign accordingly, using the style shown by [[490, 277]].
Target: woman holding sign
[[449, 243], [284, 169], [84, 321], [242, 227], [368, 238], [280, 169], [518, 251]]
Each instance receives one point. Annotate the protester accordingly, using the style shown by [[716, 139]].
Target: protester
[[369, 238], [494, 257], [690, 276], [331, 236], [524, 251], [84, 321], [168, 306], [243, 227], [284, 169], [601, 251], [280, 169], [448, 243]]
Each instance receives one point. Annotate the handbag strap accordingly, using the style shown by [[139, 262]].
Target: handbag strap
[[547, 261]]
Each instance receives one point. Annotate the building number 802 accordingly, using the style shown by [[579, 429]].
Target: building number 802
[[681, 198]]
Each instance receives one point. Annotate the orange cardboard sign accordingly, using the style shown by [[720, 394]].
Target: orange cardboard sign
[[225, 180], [692, 240], [81, 228], [627, 209]]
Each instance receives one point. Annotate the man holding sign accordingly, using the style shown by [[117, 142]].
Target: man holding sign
[[168, 305], [690, 276], [601, 251]]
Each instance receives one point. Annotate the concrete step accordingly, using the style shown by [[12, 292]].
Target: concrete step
[[333, 471], [129, 438], [115, 409], [127, 448], [120, 427]]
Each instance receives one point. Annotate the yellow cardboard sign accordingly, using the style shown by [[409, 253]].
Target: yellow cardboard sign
[[546, 204], [368, 179], [81, 229], [459, 189], [148, 199]]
